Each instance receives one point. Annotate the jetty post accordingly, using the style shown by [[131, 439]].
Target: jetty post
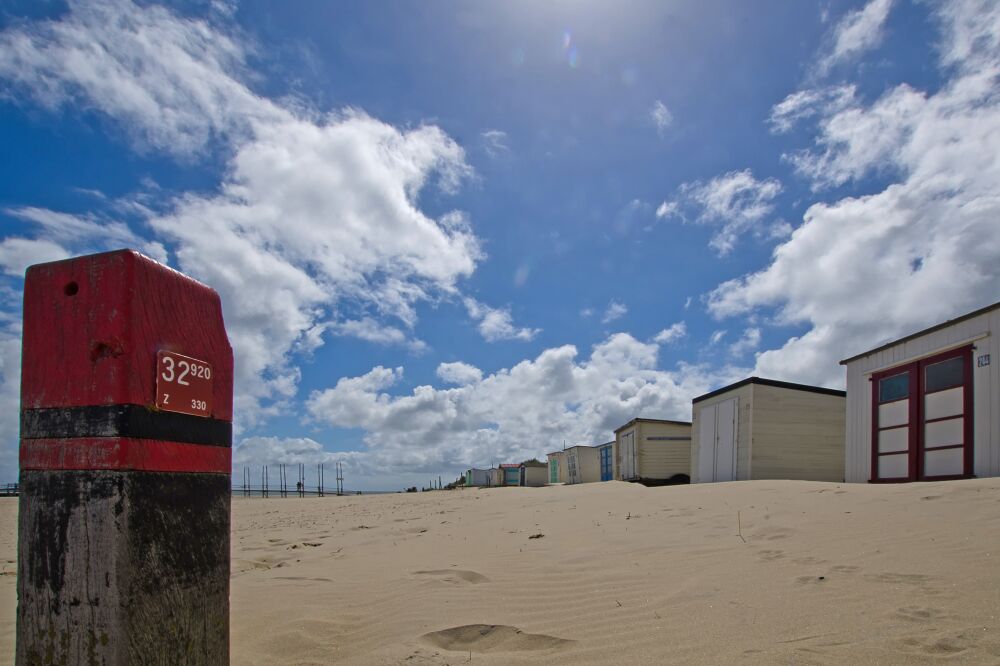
[[125, 466]]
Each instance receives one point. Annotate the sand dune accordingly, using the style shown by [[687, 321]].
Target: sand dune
[[750, 572]]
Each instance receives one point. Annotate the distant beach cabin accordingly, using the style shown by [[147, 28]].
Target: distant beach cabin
[[493, 477], [653, 451], [767, 429], [477, 477], [534, 474], [557, 467], [510, 474], [583, 464], [927, 406], [606, 456]]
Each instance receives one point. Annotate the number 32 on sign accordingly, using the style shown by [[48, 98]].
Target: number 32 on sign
[[183, 384]]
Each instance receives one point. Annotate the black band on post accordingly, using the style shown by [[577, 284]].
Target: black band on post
[[134, 421]]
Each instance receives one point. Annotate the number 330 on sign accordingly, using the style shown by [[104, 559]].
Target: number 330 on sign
[[183, 384]]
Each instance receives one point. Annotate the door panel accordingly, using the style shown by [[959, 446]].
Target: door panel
[[894, 466], [894, 440], [725, 447], [943, 433], [706, 444], [944, 462], [944, 403], [894, 413], [628, 456], [606, 463], [922, 419]]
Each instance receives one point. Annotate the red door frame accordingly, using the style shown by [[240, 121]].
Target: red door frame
[[916, 417]]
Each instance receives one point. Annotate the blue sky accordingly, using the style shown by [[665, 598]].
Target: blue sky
[[447, 234]]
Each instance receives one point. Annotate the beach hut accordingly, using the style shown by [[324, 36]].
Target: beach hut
[[927, 406], [606, 456], [534, 474], [557, 467], [476, 477], [510, 474], [653, 451], [493, 476], [583, 464], [766, 429]]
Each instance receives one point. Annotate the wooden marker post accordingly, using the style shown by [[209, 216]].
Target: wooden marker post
[[126, 435]]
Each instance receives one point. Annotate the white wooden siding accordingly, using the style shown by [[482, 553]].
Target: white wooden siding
[[797, 434], [782, 433], [586, 464], [983, 331], [536, 476], [663, 458]]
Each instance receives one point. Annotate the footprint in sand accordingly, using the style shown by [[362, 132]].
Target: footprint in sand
[[921, 614], [900, 579], [838, 571], [455, 575], [809, 561], [492, 638], [773, 533], [771, 555], [947, 645]]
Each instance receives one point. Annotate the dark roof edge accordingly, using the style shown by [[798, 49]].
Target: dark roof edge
[[770, 382], [912, 336], [640, 419]]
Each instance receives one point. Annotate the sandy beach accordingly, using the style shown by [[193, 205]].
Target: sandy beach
[[749, 572]]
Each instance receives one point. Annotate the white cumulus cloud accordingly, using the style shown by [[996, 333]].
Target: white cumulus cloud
[[863, 270], [516, 413], [313, 210], [459, 373]]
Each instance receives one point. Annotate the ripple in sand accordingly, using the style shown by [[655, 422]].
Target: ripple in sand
[[455, 575]]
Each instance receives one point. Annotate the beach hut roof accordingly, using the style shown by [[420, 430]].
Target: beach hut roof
[[642, 420], [913, 336], [769, 382]]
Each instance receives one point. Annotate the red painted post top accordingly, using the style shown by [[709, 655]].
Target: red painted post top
[[94, 327]]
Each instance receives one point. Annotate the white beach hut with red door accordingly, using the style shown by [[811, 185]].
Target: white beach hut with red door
[[927, 406]]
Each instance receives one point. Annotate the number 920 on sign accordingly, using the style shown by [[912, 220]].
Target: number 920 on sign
[[183, 384]]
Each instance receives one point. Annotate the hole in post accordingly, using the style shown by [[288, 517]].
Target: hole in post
[[71, 288]]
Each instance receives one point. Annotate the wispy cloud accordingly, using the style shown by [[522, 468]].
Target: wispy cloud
[[858, 31], [748, 342], [615, 310], [671, 334], [495, 142], [497, 324], [661, 117], [736, 202]]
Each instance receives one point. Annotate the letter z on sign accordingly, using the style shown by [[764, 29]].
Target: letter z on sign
[[183, 384]]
